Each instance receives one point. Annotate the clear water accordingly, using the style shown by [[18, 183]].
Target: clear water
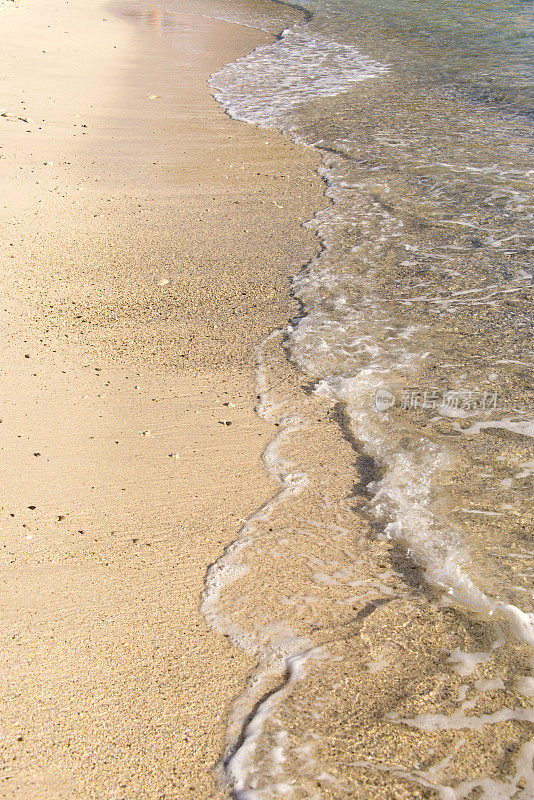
[[386, 590]]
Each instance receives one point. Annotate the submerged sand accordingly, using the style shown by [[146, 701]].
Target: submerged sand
[[148, 244], [148, 241]]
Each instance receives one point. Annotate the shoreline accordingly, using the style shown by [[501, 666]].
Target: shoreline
[[132, 298], [361, 689]]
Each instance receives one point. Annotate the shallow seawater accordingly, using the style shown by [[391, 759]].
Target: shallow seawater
[[386, 590]]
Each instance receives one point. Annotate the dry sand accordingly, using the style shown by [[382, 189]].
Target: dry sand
[[147, 243]]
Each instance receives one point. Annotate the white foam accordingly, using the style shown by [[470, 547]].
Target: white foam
[[466, 663], [263, 88], [460, 721], [525, 685], [401, 499], [265, 85], [524, 427], [482, 512], [518, 786], [241, 770], [494, 685], [377, 666]]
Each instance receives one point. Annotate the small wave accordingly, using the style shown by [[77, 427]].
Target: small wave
[[265, 85], [360, 327]]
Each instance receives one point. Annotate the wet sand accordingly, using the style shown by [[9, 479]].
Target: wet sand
[[147, 244]]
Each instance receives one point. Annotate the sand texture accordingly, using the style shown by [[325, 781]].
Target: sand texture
[[147, 244]]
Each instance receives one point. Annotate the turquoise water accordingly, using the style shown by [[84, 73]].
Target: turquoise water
[[484, 49], [416, 331], [415, 552]]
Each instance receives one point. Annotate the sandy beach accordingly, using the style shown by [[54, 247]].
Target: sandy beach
[[147, 244], [265, 582]]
